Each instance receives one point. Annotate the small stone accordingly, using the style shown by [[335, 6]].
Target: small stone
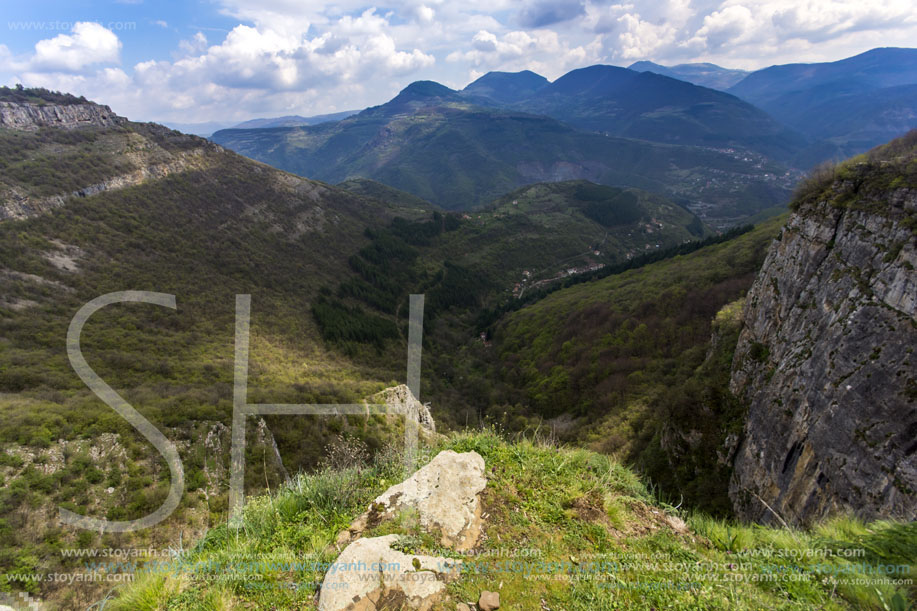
[[462, 607], [489, 601]]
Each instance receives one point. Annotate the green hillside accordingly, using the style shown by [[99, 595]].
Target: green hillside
[[531, 239], [626, 363], [564, 529], [385, 193], [180, 216], [703, 74]]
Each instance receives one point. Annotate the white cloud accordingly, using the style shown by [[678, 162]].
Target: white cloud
[[88, 44], [748, 33], [306, 57], [542, 51], [195, 45], [254, 70], [731, 25]]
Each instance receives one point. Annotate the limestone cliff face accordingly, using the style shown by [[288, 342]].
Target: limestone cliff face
[[826, 358], [140, 157], [15, 115]]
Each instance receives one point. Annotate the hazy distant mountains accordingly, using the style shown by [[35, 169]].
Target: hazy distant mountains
[[705, 75], [208, 128], [459, 149], [432, 142], [853, 104], [621, 102], [726, 153], [843, 107], [294, 120], [876, 69]]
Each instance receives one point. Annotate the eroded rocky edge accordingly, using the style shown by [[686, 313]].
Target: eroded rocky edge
[[826, 363]]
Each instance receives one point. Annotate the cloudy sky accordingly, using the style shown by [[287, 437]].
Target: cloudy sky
[[228, 60]]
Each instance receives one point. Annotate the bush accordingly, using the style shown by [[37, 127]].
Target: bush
[[814, 184]]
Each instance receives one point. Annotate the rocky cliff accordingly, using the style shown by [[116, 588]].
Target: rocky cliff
[[87, 150], [826, 358], [30, 116]]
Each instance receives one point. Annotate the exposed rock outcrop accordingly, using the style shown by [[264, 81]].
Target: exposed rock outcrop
[[446, 495], [15, 115], [489, 601], [371, 575], [21, 205], [401, 400], [826, 358]]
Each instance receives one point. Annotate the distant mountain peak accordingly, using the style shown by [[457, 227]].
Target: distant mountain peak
[[426, 89], [524, 77], [417, 95], [507, 87], [704, 74]]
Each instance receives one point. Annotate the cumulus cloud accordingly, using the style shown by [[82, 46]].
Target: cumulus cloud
[[86, 47], [540, 50], [746, 31], [254, 69], [733, 24], [543, 13], [291, 56], [195, 45]]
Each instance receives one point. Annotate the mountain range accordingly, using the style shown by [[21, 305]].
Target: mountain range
[[460, 150], [703, 74], [775, 119], [852, 105], [736, 369], [293, 120]]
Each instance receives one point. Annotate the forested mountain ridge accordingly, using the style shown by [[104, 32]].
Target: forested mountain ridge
[[432, 142]]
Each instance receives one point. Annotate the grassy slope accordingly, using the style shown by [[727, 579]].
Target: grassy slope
[[385, 193], [864, 181], [566, 529], [38, 95], [224, 225], [205, 234]]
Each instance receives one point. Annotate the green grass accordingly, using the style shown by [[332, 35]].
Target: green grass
[[566, 528], [865, 181], [223, 226]]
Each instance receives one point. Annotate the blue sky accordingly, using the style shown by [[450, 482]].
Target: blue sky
[[230, 60]]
